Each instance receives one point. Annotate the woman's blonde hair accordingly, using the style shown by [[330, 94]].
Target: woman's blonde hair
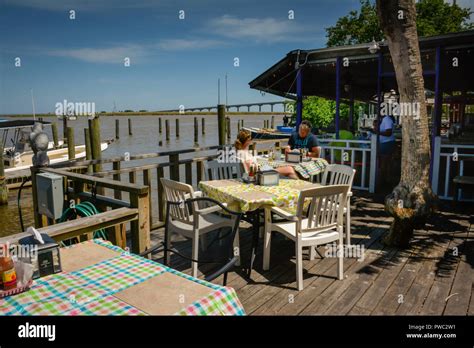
[[242, 138]]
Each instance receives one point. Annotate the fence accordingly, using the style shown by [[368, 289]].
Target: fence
[[449, 161], [358, 154]]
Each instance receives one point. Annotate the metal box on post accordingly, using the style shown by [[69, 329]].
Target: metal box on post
[[50, 194]]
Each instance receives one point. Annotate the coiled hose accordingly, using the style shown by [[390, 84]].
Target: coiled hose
[[83, 209]]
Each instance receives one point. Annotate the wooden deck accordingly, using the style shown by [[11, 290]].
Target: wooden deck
[[433, 277]]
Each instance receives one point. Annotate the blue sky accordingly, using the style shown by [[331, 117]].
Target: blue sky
[[172, 61]]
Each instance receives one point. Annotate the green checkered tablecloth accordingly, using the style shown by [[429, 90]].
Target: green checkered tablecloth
[[244, 197], [90, 290], [305, 169]]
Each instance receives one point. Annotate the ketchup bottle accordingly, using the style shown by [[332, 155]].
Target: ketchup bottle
[[7, 273]]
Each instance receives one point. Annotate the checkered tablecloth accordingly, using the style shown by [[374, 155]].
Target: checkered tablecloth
[[90, 290], [305, 169]]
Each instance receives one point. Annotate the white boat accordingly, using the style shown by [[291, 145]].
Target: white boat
[[24, 160]]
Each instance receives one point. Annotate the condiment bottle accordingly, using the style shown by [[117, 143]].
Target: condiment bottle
[[7, 273]]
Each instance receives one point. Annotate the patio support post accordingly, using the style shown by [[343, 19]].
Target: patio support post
[[351, 112], [438, 102], [299, 97], [379, 101], [338, 94]]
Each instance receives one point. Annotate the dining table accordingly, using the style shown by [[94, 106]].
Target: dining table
[[99, 278], [251, 199], [306, 169]]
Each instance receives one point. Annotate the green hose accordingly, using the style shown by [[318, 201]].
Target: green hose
[[83, 209]]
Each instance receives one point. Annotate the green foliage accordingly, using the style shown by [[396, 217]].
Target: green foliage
[[321, 111], [434, 17]]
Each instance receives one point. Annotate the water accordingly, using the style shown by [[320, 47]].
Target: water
[[145, 139]]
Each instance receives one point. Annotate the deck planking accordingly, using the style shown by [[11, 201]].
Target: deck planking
[[429, 278]]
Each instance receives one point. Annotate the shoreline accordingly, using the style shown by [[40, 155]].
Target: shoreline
[[120, 114]]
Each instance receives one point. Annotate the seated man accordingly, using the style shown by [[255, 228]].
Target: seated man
[[304, 139]]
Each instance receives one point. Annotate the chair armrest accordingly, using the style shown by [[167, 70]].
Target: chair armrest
[[209, 210], [349, 194], [284, 214], [222, 270]]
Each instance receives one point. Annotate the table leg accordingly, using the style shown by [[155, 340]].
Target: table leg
[[255, 237]]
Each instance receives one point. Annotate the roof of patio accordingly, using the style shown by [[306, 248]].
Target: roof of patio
[[360, 76]]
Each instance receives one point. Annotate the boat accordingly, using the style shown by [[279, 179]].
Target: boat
[[266, 133], [24, 160], [18, 155]]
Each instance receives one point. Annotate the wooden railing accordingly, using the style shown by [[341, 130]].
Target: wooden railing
[[83, 227], [125, 170], [79, 187]]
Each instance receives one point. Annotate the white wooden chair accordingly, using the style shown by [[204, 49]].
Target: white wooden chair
[[190, 223], [323, 225], [215, 170], [338, 174]]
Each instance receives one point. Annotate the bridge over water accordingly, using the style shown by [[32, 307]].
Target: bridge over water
[[287, 107]]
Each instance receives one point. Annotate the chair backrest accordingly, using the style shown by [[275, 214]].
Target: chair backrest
[[338, 174], [214, 170], [178, 192], [326, 207]]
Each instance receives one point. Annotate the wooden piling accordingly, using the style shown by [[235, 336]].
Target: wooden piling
[[177, 127], [196, 131], [71, 147], [167, 130], [117, 129], [228, 128], [160, 129], [273, 122], [54, 129], [87, 143], [221, 123], [94, 129], [130, 126], [3, 181], [203, 126], [64, 128]]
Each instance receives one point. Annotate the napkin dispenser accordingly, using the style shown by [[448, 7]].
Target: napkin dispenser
[[268, 177], [43, 254], [293, 156]]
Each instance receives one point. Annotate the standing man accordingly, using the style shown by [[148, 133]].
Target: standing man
[[304, 139]]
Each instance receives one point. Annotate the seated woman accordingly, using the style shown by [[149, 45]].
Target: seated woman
[[242, 144]]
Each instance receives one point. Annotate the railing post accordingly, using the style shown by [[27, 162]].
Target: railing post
[[37, 217], [174, 167], [116, 177], [373, 163], [140, 229], [3, 180], [436, 161]]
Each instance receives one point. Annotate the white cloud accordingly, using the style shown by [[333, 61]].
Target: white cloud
[[186, 44], [113, 55], [256, 29]]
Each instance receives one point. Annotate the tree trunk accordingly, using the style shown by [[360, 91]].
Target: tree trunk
[[412, 200]]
